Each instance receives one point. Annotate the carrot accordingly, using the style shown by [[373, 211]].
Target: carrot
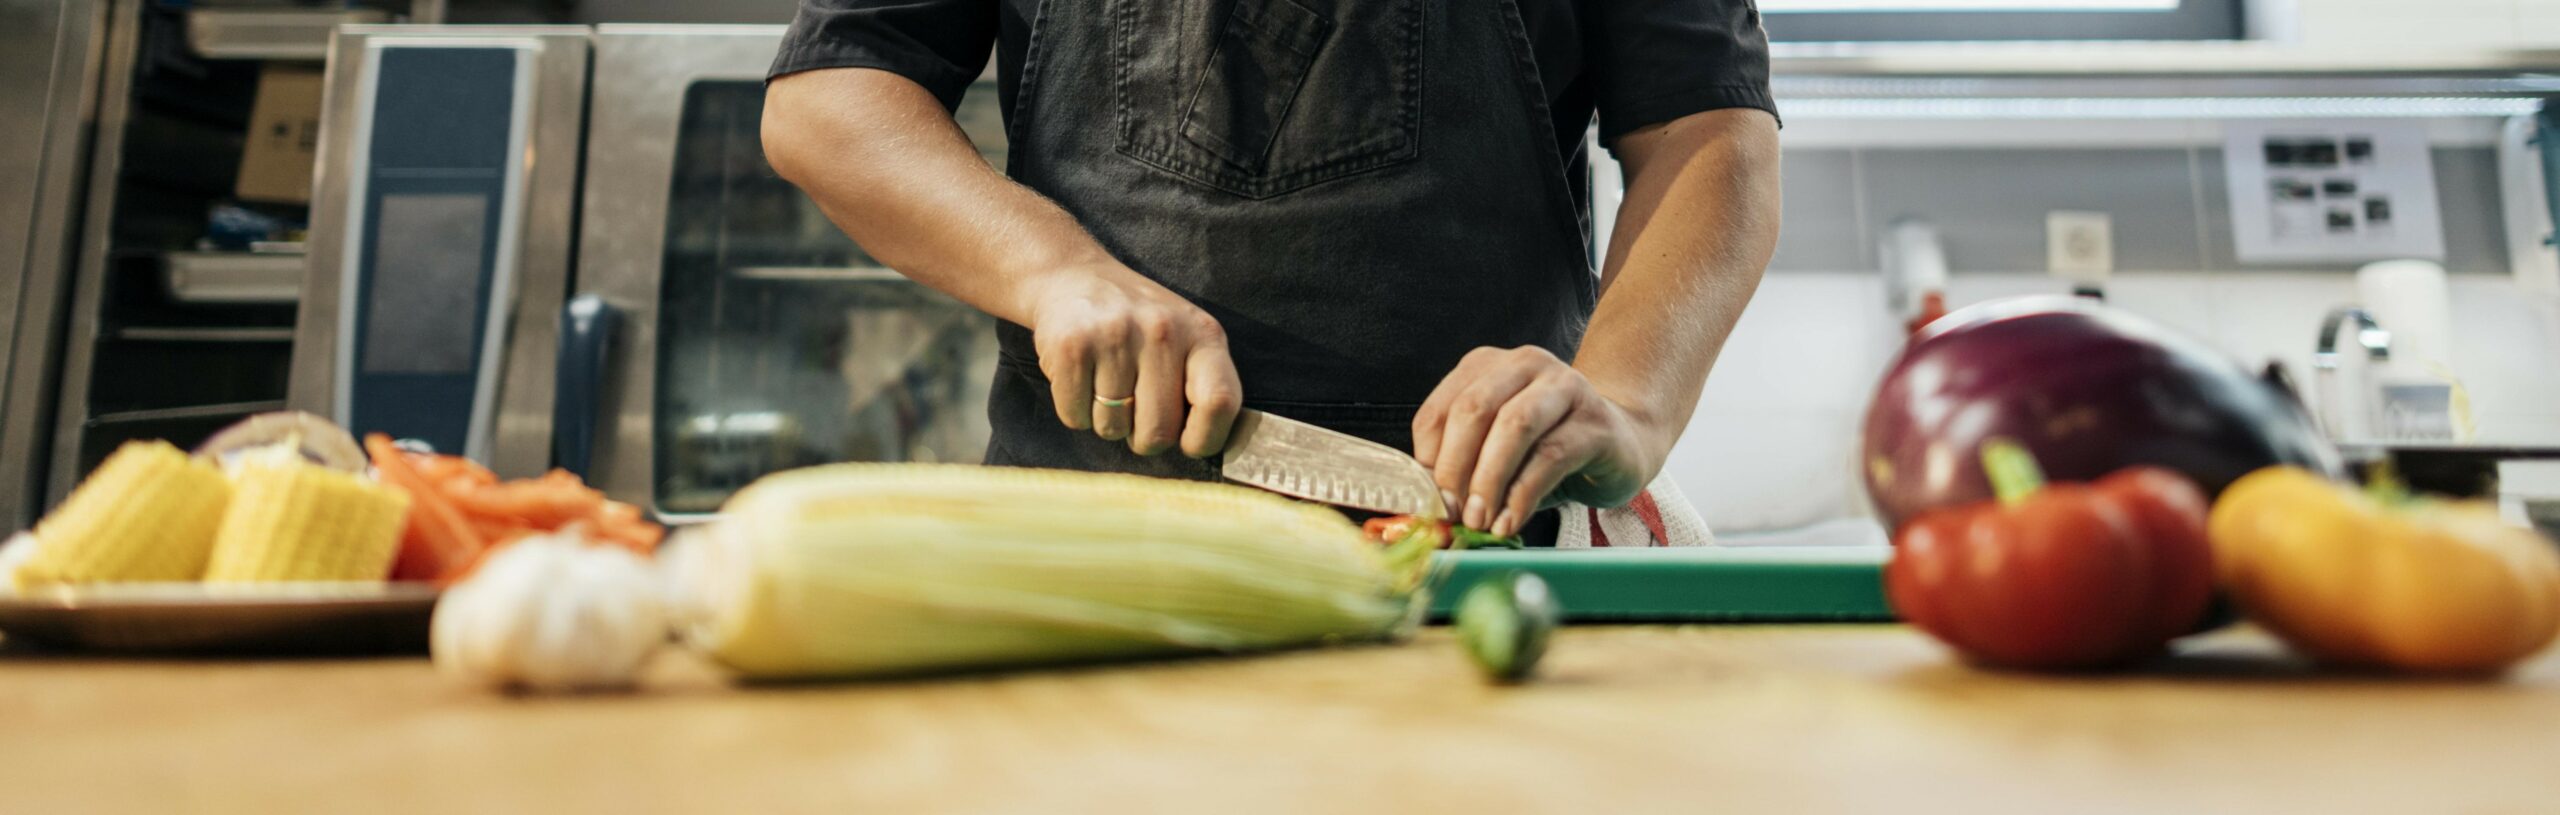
[[463, 572], [547, 504], [622, 523], [418, 560], [438, 538], [500, 531], [463, 512], [641, 540]]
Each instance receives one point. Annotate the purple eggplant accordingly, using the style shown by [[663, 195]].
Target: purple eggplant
[[2088, 389]]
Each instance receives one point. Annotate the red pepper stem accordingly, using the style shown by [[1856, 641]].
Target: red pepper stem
[[2012, 470]]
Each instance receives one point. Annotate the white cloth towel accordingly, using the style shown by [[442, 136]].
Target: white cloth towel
[[1659, 516]]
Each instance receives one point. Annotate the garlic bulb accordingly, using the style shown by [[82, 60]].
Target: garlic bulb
[[14, 554], [552, 613]]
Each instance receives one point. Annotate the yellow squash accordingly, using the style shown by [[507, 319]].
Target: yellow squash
[[2422, 585]]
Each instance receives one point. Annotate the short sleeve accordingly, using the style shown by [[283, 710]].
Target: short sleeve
[[1659, 60], [940, 44]]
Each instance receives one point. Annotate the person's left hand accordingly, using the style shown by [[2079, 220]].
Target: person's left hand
[[1512, 431]]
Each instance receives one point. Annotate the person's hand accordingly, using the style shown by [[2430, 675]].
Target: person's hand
[[1512, 431], [1130, 360]]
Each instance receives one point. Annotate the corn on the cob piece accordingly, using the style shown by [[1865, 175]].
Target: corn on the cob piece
[[298, 521], [867, 569], [147, 514]]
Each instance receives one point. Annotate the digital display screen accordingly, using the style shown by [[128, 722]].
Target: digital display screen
[[421, 315]]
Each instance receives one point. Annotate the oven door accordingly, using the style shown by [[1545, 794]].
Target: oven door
[[733, 329], [440, 236]]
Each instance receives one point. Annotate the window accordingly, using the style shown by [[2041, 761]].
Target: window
[[1798, 6]]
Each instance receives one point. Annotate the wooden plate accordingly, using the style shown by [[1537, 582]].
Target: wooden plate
[[278, 618]]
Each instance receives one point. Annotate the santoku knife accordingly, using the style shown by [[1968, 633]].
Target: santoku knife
[[1297, 459]]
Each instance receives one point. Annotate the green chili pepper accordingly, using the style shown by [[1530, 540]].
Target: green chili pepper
[[1504, 621], [1462, 537]]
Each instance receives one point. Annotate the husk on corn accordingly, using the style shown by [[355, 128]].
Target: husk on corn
[[871, 569]]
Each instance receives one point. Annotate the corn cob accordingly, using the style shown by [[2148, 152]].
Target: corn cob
[[297, 521], [147, 514], [867, 569]]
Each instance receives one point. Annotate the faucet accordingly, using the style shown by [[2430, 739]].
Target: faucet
[[1915, 271], [2324, 358], [2369, 333]]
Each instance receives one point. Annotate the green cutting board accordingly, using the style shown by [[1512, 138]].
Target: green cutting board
[[1692, 584]]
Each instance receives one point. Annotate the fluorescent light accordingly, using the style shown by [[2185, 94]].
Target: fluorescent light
[[1812, 6], [2143, 108]]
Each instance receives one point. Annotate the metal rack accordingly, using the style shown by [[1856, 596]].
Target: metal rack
[[2156, 80], [269, 34], [2193, 61], [122, 328], [234, 277]]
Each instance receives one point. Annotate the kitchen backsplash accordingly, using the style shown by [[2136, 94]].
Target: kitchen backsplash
[[1774, 442]]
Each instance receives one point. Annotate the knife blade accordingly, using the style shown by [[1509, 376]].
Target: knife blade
[[1301, 460]]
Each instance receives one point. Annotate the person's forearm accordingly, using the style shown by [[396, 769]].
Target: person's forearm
[[886, 163], [1125, 357], [1698, 225]]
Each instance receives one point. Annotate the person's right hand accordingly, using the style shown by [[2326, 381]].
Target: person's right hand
[[1129, 359]]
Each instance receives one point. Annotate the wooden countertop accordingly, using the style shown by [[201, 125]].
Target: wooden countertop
[[1628, 719]]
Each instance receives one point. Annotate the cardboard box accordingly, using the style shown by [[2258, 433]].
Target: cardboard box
[[284, 137]]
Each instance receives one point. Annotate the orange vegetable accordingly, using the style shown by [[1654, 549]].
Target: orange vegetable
[[1390, 529], [544, 503], [2385, 580], [438, 540], [466, 512]]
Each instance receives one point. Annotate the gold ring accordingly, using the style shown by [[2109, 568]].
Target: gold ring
[[1109, 402]]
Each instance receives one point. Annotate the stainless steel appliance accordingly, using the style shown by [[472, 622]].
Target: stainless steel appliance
[[50, 70], [759, 336], [144, 294], [440, 245], [718, 327]]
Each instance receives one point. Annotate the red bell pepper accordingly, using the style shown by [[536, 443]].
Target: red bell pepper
[[2062, 577]]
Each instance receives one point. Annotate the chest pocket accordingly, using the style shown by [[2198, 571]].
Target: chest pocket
[[1272, 96]]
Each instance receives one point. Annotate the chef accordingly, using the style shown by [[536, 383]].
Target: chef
[[1366, 214]]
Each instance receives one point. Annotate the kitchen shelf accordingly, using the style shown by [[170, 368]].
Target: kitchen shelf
[[181, 155], [2155, 81], [235, 277], [2155, 59], [180, 413], [224, 334], [270, 34]]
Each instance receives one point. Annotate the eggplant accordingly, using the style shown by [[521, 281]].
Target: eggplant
[[2087, 388]]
